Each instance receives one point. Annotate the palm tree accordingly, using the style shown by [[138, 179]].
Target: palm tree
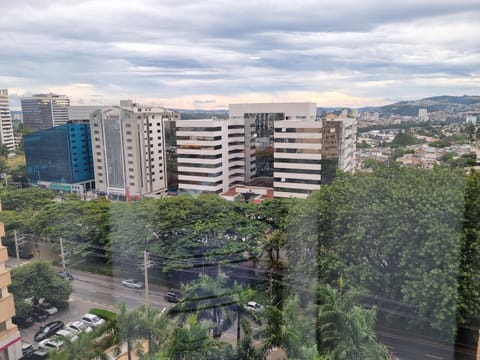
[[154, 326], [244, 315], [210, 299], [84, 348], [128, 327], [344, 329]]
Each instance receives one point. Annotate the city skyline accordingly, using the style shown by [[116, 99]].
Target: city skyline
[[207, 55]]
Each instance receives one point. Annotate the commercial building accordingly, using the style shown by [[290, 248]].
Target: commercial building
[[10, 340], [80, 113], [274, 144], [60, 158], [339, 139], [128, 145], [42, 111], [6, 128]]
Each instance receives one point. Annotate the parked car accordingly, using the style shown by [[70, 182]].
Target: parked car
[[49, 308], [252, 305], [55, 344], [48, 330], [27, 349], [92, 320], [39, 314], [23, 321], [173, 296], [67, 334], [79, 327], [39, 354], [64, 275], [133, 284]]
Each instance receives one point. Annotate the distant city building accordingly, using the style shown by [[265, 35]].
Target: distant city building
[[60, 158], [128, 144], [10, 339], [471, 120], [274, 144], [43, 111], [6, 127], [422, 115]]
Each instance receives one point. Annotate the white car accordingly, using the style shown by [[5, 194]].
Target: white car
[[49, 308], [252, 305], [67, 334], [51, 344], [79, 327], [92, 320], [133, 284]]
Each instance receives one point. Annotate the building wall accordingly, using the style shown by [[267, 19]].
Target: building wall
[[128, 145], [6, 127], [43, 111], [339, 142], [10, 340], [59, 154]]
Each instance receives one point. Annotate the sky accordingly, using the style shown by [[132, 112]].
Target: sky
[[208, 54]]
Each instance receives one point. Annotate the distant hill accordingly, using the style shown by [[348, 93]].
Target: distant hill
[[449, 104]]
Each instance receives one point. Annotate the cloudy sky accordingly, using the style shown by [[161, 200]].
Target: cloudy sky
[[207, 54]]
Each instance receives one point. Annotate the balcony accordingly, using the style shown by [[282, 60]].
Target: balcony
[[7, 308], [5, 279], [3, 254]]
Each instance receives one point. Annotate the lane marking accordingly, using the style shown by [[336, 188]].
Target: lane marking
[[433, 356]]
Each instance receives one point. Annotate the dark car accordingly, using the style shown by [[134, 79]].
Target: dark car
[[64, 275], [173, 296], [23, 321], [27, 349], [39, 354], [38, 314], [48, 330]]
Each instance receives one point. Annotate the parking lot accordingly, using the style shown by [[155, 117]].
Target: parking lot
[[76, 309]]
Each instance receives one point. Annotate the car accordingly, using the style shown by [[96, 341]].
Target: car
[[39, 354], [39, 314], [70, 336], [48, 330], [92, 320], [49, 308], [173, 296], [55, 344], [133, 284], [23, 322], [64, 275], [27, 349], [78, 327], [252, 305]]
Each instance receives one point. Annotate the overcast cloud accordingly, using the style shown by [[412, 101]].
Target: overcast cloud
[[206, 54]]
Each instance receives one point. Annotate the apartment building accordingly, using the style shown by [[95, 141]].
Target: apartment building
[[128, 146], [42, 111], [10, 340], [6, 127], [212, 154], [276, 144]]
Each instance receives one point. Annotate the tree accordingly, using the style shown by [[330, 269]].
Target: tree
[[37, 280], [84, 348], [154, 326], [128, 326], [345, 330]]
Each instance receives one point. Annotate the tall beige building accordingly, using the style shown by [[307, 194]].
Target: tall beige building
[[43, 111], [10, 340], [6, 127], [128, 146]]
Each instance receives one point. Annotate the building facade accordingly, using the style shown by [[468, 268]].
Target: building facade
[[10, 340], [339, 142], [128, 146], [42, 111], [60, 158], [6, 127], [267, 144]]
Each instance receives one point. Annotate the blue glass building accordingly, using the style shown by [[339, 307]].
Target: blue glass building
[[60, 156]]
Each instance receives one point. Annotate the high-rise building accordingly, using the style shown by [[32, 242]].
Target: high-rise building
[[422, 115], [43, 111], [10, 340], [277, 143], [60, 158], [128, 145], [6, 128]]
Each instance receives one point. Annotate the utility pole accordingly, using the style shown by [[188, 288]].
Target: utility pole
[[62, 255], [16, 244], [145, 265]]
